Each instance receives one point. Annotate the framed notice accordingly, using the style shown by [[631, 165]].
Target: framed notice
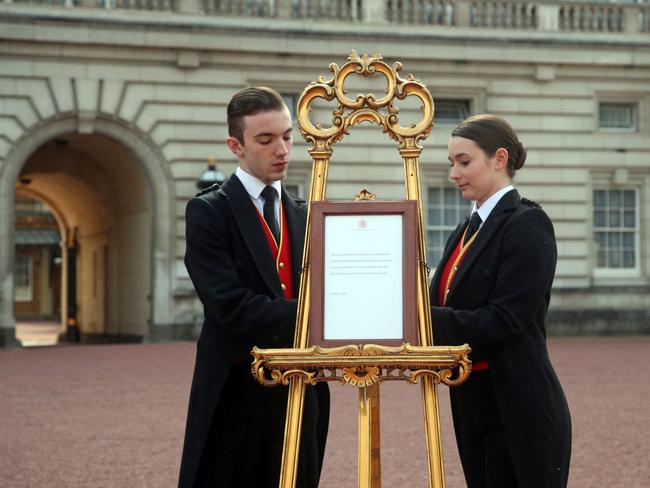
[[363, 262]]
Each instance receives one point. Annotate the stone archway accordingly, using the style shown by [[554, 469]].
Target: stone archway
[[135, 231]]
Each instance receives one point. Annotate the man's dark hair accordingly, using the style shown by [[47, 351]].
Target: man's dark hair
[[251, 101]]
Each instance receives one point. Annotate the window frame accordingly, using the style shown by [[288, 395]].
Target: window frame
[[300, 187], [448, 122], [640, 99], [476, 96], [634, 109], [24, 294], [441, 228], [622, 272], [293, 107]]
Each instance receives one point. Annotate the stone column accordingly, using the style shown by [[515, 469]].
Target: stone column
[[631, 16], [374, 12], [8, 337], [549, 17], [283, 9], [462, 13], [190, 6], [7, 251], [7, 321]]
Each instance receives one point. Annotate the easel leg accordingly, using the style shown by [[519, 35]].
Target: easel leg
[[369, 449], [292, 428], [433, 437]]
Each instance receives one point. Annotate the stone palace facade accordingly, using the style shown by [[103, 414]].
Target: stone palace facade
[[111, 109]]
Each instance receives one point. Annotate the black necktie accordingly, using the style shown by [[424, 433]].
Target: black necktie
[[270, 194], [472, 228]]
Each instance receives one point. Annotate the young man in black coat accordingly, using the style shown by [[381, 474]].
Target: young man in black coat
[[244, 254]]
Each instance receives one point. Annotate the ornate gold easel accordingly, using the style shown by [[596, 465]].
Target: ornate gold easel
[[364, 366]]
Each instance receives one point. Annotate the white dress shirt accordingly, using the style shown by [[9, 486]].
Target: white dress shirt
[[254, 187], [485, 210]]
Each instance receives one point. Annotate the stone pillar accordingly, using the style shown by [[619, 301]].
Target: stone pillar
[[283, 9], [162, 289], [463, 13], [374, 12], [8, 337], [548, 17], [190, 6], [7, 320], [631, 16]]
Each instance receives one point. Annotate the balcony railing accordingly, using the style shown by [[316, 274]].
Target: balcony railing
[[346, 10], [250, 8], [350, 10], [424, 12], [592, 17], [504, 15], [160, 5], [550, 15]]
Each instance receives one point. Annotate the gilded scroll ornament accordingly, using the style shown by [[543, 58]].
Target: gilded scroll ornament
[[364, 195], [362, 365], [365, 108]]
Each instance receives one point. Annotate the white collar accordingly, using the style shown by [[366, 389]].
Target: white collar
[[485, 210], [254, 185]]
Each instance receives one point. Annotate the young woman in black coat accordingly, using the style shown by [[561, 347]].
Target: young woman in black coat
[[491, 290]]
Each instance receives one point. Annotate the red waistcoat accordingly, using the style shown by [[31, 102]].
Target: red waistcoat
[[446, 271], [283, 257], [442, 289]]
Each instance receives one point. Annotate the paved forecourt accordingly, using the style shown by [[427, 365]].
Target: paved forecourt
[[113, 415]]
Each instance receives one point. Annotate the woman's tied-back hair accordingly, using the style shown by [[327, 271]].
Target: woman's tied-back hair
[[490, 133], [251, 101]]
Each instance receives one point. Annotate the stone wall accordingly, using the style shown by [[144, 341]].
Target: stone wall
[[166, 77]]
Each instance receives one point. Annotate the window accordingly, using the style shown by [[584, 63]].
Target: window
[[291, 101], [23, 278], [294, 188], [616, 228], [621, 116], [450, 111], [445, 209]]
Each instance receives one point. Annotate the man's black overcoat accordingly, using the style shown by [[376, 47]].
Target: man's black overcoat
[[497, 304], [232, 269]]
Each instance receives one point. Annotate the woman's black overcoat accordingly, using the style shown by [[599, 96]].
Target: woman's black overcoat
[[497, 304]]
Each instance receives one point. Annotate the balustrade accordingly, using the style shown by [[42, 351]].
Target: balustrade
[[245, 8], [433, 12], [161, 5], [141, 4], [592, 17], [504, 14], [550, 15], [350, 10]]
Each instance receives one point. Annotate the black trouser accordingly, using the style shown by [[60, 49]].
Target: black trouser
[[244, 446], [481, 443]]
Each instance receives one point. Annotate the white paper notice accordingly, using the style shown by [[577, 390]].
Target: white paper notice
[[363, 277]]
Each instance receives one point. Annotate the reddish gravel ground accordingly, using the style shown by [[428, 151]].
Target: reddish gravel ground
[[113, 416]]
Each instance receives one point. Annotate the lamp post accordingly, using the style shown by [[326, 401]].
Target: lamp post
[[210, 176], [72, 333]]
